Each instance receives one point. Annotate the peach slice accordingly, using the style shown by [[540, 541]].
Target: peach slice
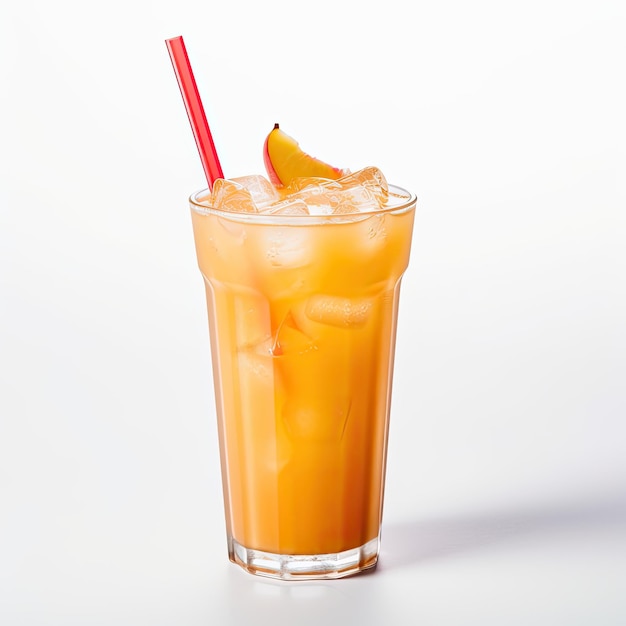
[[284, 160]]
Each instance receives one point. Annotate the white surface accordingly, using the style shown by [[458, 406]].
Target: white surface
[[506, 482]]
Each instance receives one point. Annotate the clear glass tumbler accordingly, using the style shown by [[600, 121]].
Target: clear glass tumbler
[[302, 317]]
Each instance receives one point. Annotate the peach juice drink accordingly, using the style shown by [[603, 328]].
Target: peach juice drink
[[302, 293]]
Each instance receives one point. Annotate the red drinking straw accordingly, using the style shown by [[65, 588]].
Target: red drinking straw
[[195, 110]]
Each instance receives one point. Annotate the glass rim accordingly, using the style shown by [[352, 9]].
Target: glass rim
[[405, 202]]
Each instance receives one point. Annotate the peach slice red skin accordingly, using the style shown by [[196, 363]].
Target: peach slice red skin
[[271, 172]]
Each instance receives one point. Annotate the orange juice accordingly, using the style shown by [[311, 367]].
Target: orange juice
[[302, 316]]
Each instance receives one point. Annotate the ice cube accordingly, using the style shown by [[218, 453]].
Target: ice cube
[[261, 190], [365, 190], [250, 319], [371, 178], [236, 230], [305, 196], [338, 311], [321, 195], [314, 183], [229, 195], [291, 206], [285, 246], [289, 340]]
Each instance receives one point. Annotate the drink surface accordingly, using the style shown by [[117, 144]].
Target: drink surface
[[302, 293]]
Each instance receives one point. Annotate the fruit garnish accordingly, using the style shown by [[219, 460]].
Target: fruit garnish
[[285, 160]]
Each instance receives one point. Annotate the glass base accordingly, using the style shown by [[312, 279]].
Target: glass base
[[305, 566]]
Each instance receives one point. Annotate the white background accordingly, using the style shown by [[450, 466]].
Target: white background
[[506, 483]]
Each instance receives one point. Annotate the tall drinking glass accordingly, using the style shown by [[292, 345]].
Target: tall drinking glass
[[302, 316]]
